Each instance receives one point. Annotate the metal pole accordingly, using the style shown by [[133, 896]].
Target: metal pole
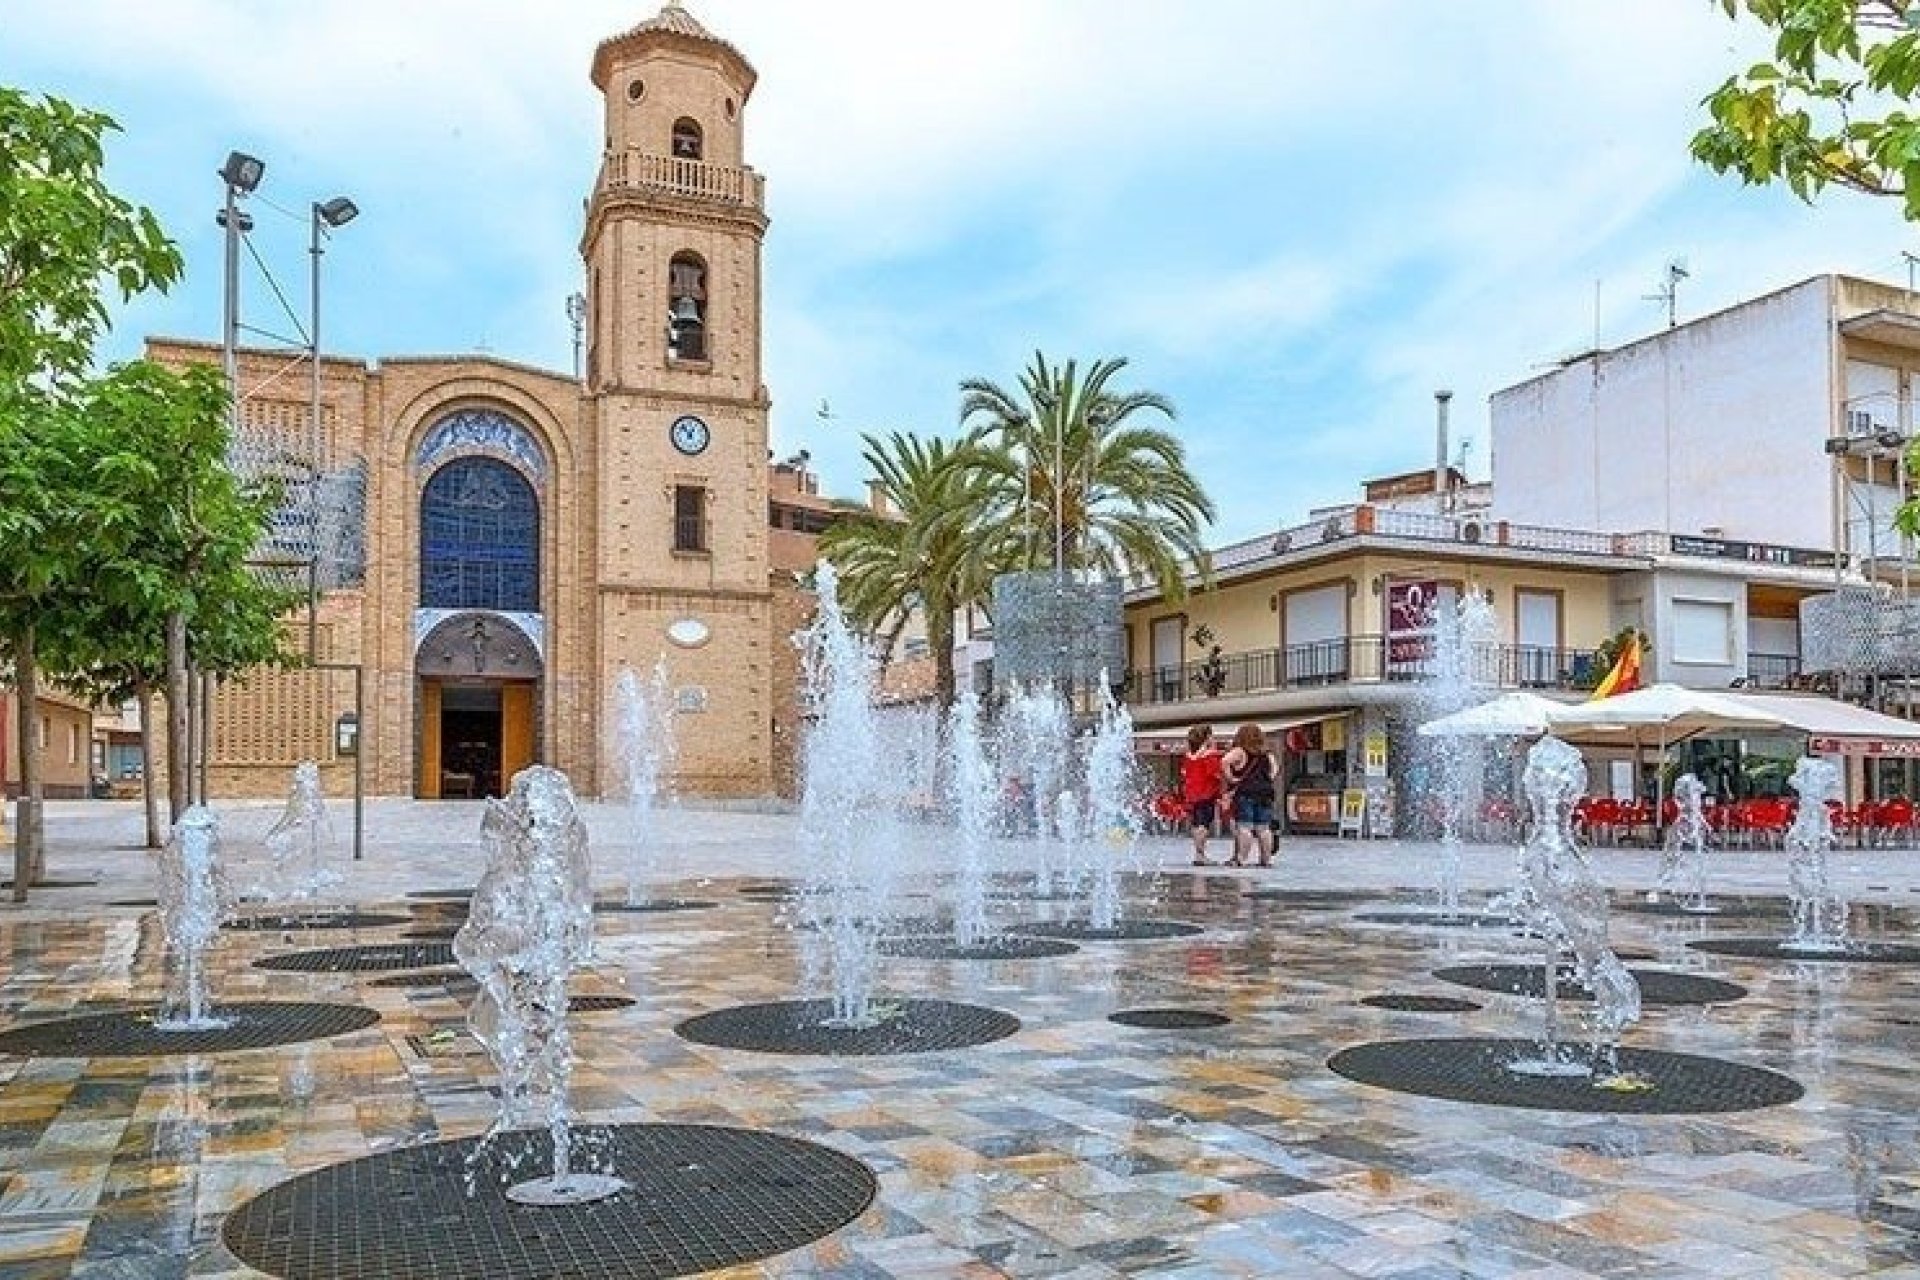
[[208, 682], [313, 446], [230, 328], [359, 759]]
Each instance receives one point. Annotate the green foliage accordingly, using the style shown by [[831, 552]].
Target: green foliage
[[1072, 477], [1607, 652], [1828, 108], [63, 234], [1210, 677]]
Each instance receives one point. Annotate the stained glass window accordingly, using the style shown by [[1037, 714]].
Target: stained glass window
[[479, 538]]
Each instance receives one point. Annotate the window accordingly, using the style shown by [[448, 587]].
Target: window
[[479, 538], [1169, 639], [73, 744], [686, 139], [1536, 630], [686, 307], [1703, 631], [689, 518], [1314, 630]]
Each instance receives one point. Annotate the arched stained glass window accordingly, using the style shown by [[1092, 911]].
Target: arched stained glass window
[[479, 538]]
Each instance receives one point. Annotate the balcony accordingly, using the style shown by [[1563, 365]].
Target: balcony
[[1354, 660], [1773, 671], [634, 170]]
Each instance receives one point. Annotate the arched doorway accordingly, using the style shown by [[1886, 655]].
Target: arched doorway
[[479, 701]]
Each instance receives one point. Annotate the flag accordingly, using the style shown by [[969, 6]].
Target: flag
[[1625, 676]]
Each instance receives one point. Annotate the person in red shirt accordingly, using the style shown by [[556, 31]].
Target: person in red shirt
[[1200, 786]]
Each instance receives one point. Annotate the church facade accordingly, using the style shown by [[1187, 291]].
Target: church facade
[[492, 544]]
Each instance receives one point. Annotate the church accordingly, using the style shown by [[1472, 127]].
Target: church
[[490, 544]]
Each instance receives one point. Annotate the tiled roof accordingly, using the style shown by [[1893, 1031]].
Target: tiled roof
[[672, 20]]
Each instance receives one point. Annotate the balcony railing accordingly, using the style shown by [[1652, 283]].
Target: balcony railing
[[1773, 670], [1355, 660], [675, 176]]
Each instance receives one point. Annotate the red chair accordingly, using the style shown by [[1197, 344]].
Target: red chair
[[1770, 819], [1893, 820], [1844, 821]]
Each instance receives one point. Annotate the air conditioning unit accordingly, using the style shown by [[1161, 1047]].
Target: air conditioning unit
[[1860, 422], [1471, 531]]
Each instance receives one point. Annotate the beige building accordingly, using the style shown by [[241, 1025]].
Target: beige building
[[65, 726], [496, 542]]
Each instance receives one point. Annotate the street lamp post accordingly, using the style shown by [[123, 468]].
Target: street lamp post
[[337, 212]]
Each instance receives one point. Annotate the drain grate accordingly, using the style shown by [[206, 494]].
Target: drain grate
[[798, 1026], [1779, 949], [1473, 1070], [426, 978], [991, 949], [431, 932], [439, 894], [1314, 897], [288, 921], [1411, 1003], [598, 1004], [702, 1198], [135, 902], [1169, 1019], [1123, 931], [1438, 919], [131, 1033], [655, 904], [53, 884], [387, 955], [1656, 985], [1724, 907]]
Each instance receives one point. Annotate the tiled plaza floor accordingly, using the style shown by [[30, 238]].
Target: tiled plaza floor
[[1074, 1148]]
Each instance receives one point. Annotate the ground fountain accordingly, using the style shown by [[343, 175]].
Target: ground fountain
[[1563, 901], [298, 843], [1683, 854], [530, 924], [971, 797], [1035, 730], [192, 897], [1453, 763], [1819, 909], [644, 749], [1112, 819]]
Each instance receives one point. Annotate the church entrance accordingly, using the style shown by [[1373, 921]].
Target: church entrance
[[477, 707]]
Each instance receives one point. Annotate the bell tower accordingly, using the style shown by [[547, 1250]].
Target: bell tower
[[673, 384]]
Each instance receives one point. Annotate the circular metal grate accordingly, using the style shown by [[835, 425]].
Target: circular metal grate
[[425, 978], [655, 904], [131, 1033], [799, 1026], [1438, 919], [53, 884], [135, 902], [1169, 1019], [290, 920], [441, 894], [992, 949], [1473, 1070], [1779, 949], [1724, 907], [702, 1198], [783, 889], [1411, 1003], [1314, 897], [431, 932], [1123, 931], [598, 1004], [386, 955], [1657, 986]]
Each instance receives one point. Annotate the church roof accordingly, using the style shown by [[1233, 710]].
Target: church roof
[[673, 24]]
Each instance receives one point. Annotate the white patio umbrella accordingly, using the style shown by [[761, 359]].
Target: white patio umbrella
[[1511, 715]]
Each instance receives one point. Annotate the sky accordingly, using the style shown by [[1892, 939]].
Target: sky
[[1297, 221]]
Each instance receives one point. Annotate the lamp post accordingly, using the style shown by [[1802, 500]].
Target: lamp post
[[242, 174], [337, 212]]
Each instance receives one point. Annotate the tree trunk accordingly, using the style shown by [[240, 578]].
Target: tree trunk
[[151, 798], [179, 746], [940, 640], [27, 855]]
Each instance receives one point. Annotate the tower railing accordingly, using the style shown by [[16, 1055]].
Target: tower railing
[[634, 169]]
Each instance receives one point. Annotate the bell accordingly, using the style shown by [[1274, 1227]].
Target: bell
[[684, 311]]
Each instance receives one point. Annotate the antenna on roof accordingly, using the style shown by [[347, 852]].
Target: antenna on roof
[[1669, 290]]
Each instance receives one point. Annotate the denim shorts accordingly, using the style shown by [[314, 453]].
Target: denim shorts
[[1247, 809]]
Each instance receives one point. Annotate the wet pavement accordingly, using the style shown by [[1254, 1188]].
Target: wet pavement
[[1075, 1147]]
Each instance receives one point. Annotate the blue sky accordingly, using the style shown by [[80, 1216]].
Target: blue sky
[[1296, 220]]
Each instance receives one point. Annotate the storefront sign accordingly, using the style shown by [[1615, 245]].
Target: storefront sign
[[1756, 552], [1353, 812], [1376, 754], [1906, 747], [1410, 607]]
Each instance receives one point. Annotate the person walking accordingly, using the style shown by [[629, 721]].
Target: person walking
[[1250, 772], [1200, 785]]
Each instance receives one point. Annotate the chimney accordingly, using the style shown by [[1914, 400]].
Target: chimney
[[877, 497], [1440, 402]]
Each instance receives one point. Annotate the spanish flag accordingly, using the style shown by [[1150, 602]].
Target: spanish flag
[[1625, 676]]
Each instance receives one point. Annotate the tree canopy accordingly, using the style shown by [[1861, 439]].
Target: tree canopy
[[1828, 108]]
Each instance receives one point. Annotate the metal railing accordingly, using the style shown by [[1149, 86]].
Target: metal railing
[[1773, 670], [1366, 659], [676, 176], [690, 533]]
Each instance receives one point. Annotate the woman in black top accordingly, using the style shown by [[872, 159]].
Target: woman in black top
[[1251, 771]]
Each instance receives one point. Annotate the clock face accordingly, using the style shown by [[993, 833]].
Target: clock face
[[689, 435]]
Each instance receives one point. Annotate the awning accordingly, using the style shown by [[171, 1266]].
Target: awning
[[1834, 726], [1172, 741]]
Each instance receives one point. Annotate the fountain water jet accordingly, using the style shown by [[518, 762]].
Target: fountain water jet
[[644, 750], [1112, 819], [298, 843], [1684, 854], [193, 896], [1563, 901], [1459, 634], [530, 924], [1036, 731], [1819, 911], [971, 798]]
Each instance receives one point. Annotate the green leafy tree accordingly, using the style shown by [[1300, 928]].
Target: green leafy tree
[[1072, 476], [914, 559], [65, 238], [1828, 107]]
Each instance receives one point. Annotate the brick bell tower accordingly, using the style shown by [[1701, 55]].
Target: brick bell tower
[[674, 394]]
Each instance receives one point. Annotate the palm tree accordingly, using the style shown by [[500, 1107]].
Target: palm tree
[[913, 557], [1073, 480]]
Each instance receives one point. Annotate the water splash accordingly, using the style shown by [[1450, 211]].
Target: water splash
[[193, 896], [1564, 901], [1035, 734], [1112, 818], [1462, 636], [644, 749], [1819, 910], [849, 802], [298, 843], [971, 797], [530, 924], [1684, 854]]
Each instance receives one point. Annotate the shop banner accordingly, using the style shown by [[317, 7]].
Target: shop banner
[[1410, 607]]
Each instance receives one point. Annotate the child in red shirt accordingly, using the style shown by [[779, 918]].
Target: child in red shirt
[[1200, 786]]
